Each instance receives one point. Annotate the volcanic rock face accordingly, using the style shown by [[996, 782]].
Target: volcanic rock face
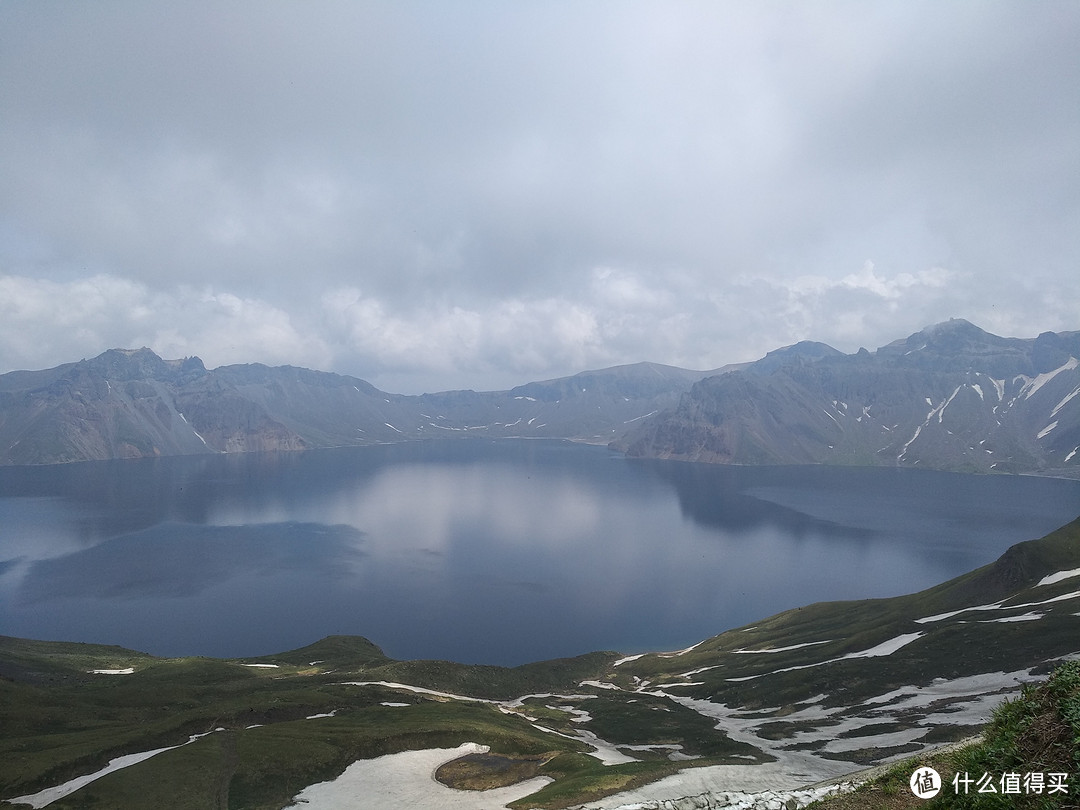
[[131, 403], [949, 397]]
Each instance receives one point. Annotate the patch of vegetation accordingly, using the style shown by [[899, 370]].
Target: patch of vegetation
[[581, 779], [873, 729], [870, 755], [809, 745], [552, 716], [497, 683], [647, 719], [486, 771], [49, 662], [786, 729], [347, 652]]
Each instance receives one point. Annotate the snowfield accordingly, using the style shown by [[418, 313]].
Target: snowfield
[[406, 781]]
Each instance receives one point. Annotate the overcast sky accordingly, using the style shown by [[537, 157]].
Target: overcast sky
[[477, 194]]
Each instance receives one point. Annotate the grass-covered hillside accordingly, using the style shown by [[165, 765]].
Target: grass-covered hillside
[[262, 729], [804, 696]]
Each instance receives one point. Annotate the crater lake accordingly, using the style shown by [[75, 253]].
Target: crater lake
[[497, 552]]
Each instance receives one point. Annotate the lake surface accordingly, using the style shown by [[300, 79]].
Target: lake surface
[[477, 551]]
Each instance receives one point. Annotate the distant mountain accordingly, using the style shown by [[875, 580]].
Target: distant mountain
[[951, 396], [131, 403]]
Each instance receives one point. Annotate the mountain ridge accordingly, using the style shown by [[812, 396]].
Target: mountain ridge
[[951, 396], [130, 403]]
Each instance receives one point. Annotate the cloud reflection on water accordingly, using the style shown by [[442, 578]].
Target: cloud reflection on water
[[488, 552]]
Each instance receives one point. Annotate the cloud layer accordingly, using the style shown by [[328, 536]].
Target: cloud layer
[[477, 194]]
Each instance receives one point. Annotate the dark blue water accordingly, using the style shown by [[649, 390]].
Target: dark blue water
[[494, 552]]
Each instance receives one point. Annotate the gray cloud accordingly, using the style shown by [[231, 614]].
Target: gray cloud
[[476, 194]]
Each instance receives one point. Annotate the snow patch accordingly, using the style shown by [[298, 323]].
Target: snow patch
[[1033, 385], [418, 689], [693, 672], [1063, 402], [783, 649], [999, 606], [600, 685], [1062, 598], [952, 396], [1050, 579], [903, 450], [883, 649], [941, 616], [886, 647], [47, 796], [1023, 617], [404, 781]]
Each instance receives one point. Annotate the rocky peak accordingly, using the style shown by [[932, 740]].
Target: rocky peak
[[122, 365], [802, 352], [959, 345]]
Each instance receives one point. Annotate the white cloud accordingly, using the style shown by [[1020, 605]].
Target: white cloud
[[224, 328], [41, 320], [476, 195], [502, 341]]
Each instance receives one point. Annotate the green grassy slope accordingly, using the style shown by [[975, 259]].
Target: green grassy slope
[[60, 721]]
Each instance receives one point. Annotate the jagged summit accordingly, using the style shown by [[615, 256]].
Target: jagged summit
[[137, 364]]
